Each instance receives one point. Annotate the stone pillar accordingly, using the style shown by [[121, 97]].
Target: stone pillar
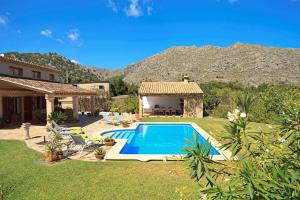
[[93, 106], [75, 106], [140, 106], [185, 107], [49, 104], [199, 106]]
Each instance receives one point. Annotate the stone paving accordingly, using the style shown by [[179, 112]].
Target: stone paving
[[92, 126]]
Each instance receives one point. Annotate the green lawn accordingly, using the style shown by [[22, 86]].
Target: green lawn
[[19, 167]]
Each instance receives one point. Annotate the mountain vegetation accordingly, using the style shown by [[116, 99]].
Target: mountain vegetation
[[261, 102]]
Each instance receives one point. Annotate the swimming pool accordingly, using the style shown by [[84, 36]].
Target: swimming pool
[[157, 139]]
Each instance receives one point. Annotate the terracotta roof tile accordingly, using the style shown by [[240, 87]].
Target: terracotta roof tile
[[47, 87], [148, 88]]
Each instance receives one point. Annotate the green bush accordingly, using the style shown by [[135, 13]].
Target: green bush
[[57, 116], [264, 100], [266, 166], [114, 107], [131, 104]]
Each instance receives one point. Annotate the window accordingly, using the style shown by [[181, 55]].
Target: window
[[101, 87], [51, 77], [14, 105], [36, 75], [16, 71]]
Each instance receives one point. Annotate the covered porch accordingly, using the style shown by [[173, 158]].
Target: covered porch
[[184, 99], [163, 105], [26, 100]]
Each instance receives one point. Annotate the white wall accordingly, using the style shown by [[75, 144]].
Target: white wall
[[163, 101]]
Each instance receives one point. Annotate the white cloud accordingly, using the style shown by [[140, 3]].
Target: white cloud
[[232, 1], [134, 9], [112, 4], [3, 20], [75, 61], [47, 33], [73, 35]]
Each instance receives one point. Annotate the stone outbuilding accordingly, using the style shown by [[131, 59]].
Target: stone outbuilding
[[171, 98]]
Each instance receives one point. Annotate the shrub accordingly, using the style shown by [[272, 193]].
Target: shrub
[[267, 167], [109, 139], [263, 101], [99, 151], [131, 104], [114, 107], [57, 116]]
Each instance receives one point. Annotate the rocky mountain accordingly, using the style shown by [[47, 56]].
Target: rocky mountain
[[247, 64], [70, 72]]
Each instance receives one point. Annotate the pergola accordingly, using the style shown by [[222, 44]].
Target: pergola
[[24, 88]]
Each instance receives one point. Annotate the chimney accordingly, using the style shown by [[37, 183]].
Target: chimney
[[186, 79]]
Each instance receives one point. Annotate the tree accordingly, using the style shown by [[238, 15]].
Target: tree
[[118, 86], [245, 102]]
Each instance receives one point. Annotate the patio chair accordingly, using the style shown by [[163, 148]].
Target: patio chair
[[73, 130], [108, 121], [156, 110], [78, 140], [53, 131], [127, 117], [119, 119]]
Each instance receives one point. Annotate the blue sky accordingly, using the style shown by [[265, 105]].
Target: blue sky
[[115, 33]]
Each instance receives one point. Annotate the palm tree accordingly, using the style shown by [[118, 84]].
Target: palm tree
[[245, 102]]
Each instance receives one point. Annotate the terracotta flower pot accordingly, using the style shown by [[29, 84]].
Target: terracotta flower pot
[[49, 157], [110, 143], [60, 156], [99, 156]]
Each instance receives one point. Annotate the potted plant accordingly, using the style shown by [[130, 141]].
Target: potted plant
[[52, 148], [60, 154], [125, 124], [99, 153], [109, 141]]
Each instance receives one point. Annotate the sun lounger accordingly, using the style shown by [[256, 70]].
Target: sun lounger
[[108, 121], [59, 128], [78, 140], [119, 119]]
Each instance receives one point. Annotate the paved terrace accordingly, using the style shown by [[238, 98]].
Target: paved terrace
[[91, 126]]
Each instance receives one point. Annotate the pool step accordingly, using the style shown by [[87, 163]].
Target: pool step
[[122, 135], [130, 137]]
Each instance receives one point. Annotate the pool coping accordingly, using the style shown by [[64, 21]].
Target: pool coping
[[114, 152]]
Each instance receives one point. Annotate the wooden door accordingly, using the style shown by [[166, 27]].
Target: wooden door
[[27, 109]]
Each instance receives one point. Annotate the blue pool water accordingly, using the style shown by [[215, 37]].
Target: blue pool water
[[157, 139]]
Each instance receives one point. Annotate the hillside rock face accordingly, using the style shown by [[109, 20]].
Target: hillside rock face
[[247, 64]]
